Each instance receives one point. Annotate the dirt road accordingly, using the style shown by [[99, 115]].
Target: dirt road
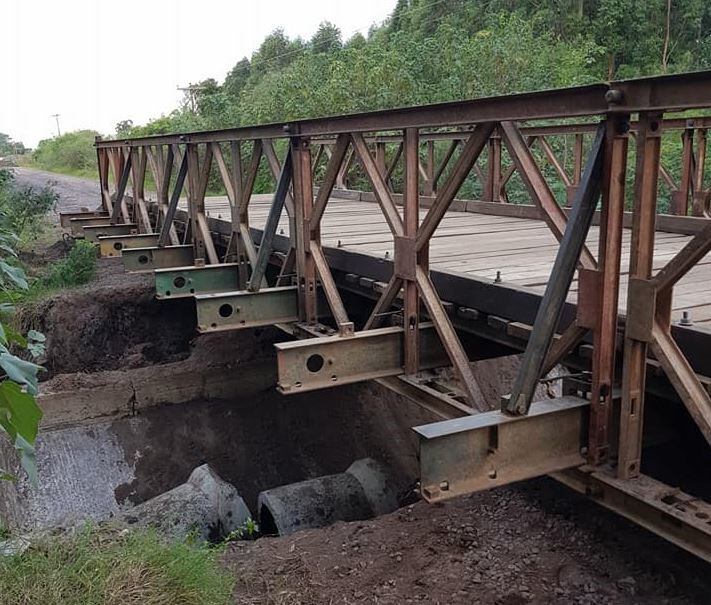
[[74, 193]]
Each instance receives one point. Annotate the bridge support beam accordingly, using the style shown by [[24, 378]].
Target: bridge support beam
[[490, 449], [180, 282], [149, 259], [65, 218], [238, 310], [92, 233], [114, 245], [328, 361]]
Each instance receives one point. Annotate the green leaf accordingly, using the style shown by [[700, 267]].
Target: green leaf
[[22, 414], [19, 417], [27, 459], [14, 336], [36, 336], [15, 274], [36, 343], [20, 371], [5, 476], [7, 308]]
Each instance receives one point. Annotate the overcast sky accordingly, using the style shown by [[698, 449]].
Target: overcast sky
[[97, 62]]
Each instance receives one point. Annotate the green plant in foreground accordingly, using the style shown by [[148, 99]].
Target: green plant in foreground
[[19, 413], [76, 269], [249, 530], [105, 567]]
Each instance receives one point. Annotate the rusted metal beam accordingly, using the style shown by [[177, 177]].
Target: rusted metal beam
[[639, 302], [540, 192], [562, 274], [144, 260], [328, 361], [491, 449], [239, 310], [605, 328], [662, 93], [266, 244]]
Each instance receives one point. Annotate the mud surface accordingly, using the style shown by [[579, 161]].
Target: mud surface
[[533, 543]]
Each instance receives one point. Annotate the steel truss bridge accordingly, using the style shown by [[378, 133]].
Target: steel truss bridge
[[399, 279]]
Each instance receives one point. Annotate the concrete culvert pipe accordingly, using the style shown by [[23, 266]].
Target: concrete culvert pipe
[[362, 492], [204, 504]]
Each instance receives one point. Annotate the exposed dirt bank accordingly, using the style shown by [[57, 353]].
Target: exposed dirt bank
[[533, 543]]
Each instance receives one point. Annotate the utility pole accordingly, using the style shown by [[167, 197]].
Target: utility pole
[[56, 117], [190, 91]]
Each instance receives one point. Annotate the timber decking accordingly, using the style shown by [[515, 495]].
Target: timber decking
[[522, 250]]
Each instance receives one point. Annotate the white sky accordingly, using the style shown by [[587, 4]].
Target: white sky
[[97, 62]]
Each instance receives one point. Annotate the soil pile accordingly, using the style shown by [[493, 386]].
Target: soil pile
[[534, 543]]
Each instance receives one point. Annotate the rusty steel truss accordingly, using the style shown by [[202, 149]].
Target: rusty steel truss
[[416, 159]]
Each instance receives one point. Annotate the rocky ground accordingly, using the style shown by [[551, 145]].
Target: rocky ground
[[532, 543]]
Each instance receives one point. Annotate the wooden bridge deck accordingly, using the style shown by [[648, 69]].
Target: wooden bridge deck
[[522, 250]]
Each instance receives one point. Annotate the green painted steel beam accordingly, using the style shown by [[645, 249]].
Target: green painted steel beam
[[180, 282], [143, 260]]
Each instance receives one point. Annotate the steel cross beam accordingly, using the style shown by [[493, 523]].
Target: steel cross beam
[[571, 247]]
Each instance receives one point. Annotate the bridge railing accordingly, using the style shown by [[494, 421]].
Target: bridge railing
[[600, 146]]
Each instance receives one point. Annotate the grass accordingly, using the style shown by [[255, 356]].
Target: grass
[[27, 161], [103, 567], [76, 269]]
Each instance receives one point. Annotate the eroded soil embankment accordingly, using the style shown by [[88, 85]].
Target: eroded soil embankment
[[113, 323]]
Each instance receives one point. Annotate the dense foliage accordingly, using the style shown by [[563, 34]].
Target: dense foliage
[[72, 152], [436, 50], [10, 147], [19, 413]]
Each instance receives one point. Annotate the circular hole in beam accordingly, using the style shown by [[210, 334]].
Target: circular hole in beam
[[179, 282], [225, 310], [118, 245], [314, 363], [143, 259]]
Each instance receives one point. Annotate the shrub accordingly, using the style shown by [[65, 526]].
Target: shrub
[[23, 208], [76, 269], [71, 152]]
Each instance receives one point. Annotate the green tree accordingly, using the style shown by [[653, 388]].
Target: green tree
[[327, 38]]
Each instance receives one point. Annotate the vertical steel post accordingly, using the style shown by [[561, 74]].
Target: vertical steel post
[[411, 223], [610, 248], [681, 198], [193, 178], [303, 207], [639, 300], [492, 187], [428, 186], [699, 202]]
